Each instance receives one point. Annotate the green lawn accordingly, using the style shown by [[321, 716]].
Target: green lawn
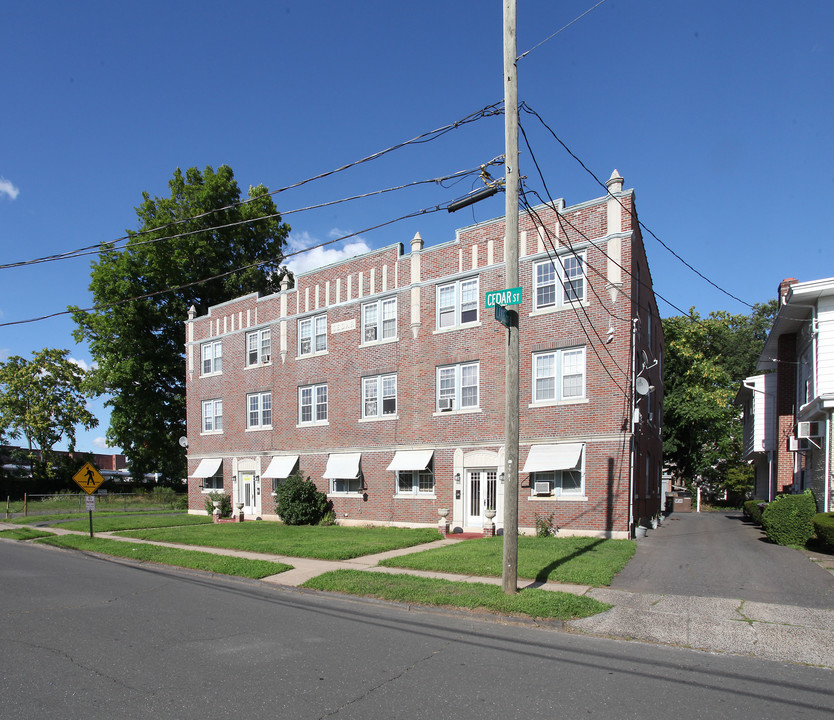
[[109, 523], [578, 560], [23, 533], [429, 591], [323, 543], [193, 559], [84, 515]]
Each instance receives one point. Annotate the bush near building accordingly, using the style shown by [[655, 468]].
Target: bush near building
[[225, 504], [824, 528], [301, 503], [788, 520], [753, 510]]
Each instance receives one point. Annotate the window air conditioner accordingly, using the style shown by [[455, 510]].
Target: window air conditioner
[[445, 404], [541, 488], [811, 429], [798, 444], [265, 358]]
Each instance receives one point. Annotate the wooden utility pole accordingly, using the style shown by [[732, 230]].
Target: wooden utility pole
[[509, 575]]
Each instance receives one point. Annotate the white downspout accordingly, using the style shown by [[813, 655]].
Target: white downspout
[[631, 421], [827, 469]]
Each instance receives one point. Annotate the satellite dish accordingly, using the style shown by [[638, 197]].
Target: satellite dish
[[641, 385], [644, 357], [183, 441]]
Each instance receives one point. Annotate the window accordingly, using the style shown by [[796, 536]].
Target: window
[[415, 482], [211, 354], [258, 347], [457, 303], [559, 375], [379, 396], [379, 320], [559, 284], [215, 482], [558, 482], [212, 416], [345, 485], [259, 406], [312, 404], [457, 387], [312, 335]]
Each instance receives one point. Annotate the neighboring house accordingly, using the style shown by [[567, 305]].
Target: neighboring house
[[382, 379], [800, 348], [111, 467], [757, 397]]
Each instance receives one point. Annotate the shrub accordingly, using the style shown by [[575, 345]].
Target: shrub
[[824, 528], [753, 510], [225, 504], [788, 519], [300, 502], [544, 525]]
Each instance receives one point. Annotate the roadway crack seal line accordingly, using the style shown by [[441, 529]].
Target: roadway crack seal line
[[389, 680]]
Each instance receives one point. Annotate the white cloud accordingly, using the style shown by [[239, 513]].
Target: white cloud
[[100, 443], [8, 188], [319, 257], [86, 367]]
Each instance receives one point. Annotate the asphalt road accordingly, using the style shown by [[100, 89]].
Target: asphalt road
[[88, 637], [721, 555]]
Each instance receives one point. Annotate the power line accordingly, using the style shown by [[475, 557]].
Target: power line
[[97, 249], [576, 19], [145, 296], [530, 111]]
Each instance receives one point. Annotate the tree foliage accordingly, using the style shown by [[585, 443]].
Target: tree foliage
[[706, 360], [43, 400], [214, 255]]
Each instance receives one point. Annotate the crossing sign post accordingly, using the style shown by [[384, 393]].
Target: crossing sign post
[[88, 478]]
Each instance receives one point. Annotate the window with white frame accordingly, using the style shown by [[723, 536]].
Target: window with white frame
[[559, 283], [379, 396], [215, 482], [211, 356], [312, 404], [415, 482], [458, 387], [213, 416], [457, 303], [379, 320], [559, 482], [258, 347], [559, 375], [312, 335], [345, 485], [259, 410]]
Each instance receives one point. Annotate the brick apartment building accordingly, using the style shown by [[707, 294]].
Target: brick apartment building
[[382, 379]]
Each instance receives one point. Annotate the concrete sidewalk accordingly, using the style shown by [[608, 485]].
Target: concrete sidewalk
[[784, 633]]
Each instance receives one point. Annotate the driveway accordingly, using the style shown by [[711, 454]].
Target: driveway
[[721, 555]]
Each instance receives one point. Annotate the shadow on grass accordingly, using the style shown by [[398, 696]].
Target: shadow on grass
[[543, 574]]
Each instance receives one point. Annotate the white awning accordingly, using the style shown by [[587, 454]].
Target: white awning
[[542, 458], [344, 466], [410, 460], [280, 467], [208, 467]]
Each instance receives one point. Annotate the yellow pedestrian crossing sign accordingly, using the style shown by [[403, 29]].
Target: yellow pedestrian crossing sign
[[88, 478]]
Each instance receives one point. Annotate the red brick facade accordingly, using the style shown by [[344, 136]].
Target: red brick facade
[[592, 407]]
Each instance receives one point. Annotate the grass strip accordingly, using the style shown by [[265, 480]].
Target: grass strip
[[23, 533], [130, 522], [194, 559], [53, 517], [323, 543], [530, 602], [576, 560]]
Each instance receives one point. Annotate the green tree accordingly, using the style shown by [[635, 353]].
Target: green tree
[[706, 360], [43, 400], [216, 255]]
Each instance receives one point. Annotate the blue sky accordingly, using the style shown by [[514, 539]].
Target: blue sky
[[718, 114]]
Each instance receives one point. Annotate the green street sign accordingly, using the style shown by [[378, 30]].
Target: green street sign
[[508, 318], [510, 296]]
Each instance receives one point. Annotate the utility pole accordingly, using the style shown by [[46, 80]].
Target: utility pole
[[509, 575]]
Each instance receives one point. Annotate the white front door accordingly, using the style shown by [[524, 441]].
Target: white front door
[[249, 495], [481, 495]]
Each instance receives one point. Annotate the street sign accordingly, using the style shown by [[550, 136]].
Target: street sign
[[505, 316], [88, 478], [91, 503], [510, 296]]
